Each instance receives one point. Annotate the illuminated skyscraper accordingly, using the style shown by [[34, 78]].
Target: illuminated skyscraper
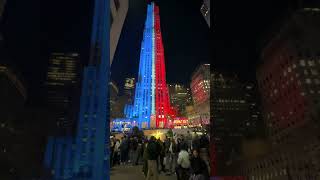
[[86, 156], [151, 104]]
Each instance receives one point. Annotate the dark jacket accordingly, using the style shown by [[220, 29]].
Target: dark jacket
[[153, 150], [198, 166]]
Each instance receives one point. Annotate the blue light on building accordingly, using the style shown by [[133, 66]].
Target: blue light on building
[[144, 95], [86, 156]]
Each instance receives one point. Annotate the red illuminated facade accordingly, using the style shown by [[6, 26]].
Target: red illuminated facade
[[161, 93], [151, 107]]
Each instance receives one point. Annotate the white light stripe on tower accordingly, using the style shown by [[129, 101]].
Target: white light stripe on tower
[[153, 86]]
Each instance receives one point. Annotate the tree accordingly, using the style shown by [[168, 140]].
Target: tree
[[170, 133]]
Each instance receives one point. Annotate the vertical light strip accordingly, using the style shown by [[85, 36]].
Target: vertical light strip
[[153, 85]]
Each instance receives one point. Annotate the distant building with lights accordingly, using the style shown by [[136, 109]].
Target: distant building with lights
[[180, 97], [200, 89], [235, 115], [129, 87], [62, 86], [289, 83]]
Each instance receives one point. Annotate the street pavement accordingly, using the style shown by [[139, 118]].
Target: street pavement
[[130, 172]]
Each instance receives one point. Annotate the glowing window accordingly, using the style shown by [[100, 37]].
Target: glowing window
[[308, 81]]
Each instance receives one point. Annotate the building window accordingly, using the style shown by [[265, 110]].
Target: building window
[[308, 81], [314, 72], [302, 63], [311, 63], [117, 4]]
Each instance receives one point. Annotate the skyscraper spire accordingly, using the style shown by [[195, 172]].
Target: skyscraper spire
[[151, 105]]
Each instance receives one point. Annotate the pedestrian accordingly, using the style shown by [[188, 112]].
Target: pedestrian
[[182, 170], [173, 154], [199, 169], [130, 155], [124, 148], [138, 148], [116, 153], [153, 154], [145, 158], [112, 145], [161, 155]]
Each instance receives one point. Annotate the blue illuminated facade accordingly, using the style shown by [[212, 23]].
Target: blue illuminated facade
[[86, 156], [144, 102]]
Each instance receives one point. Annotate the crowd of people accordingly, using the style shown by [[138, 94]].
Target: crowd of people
[[185, 155]]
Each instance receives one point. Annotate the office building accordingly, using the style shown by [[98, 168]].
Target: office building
[[129, 89], [235, 116], [288, 79], [180, 97], [118, 13], [200, 89], [151, 103], [62, 89]]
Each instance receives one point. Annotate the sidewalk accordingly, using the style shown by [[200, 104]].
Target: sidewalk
[[133, 173]]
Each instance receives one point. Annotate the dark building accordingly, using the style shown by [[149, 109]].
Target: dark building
[[13, 96], [180, 97], [234, 116], [2, 5], [289, 84], [63, 89]]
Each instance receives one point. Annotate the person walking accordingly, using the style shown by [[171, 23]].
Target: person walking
[[124, 148], [145, 158], [161, 155], [172, 159], [138, 151], [199, 169], [153, 154], [182, 170], [116, 154]]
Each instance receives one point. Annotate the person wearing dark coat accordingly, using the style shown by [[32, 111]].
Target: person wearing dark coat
[[199, 168]]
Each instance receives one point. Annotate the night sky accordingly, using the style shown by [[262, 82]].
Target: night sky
[[186, 38], [34, 28], [240, 28]]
